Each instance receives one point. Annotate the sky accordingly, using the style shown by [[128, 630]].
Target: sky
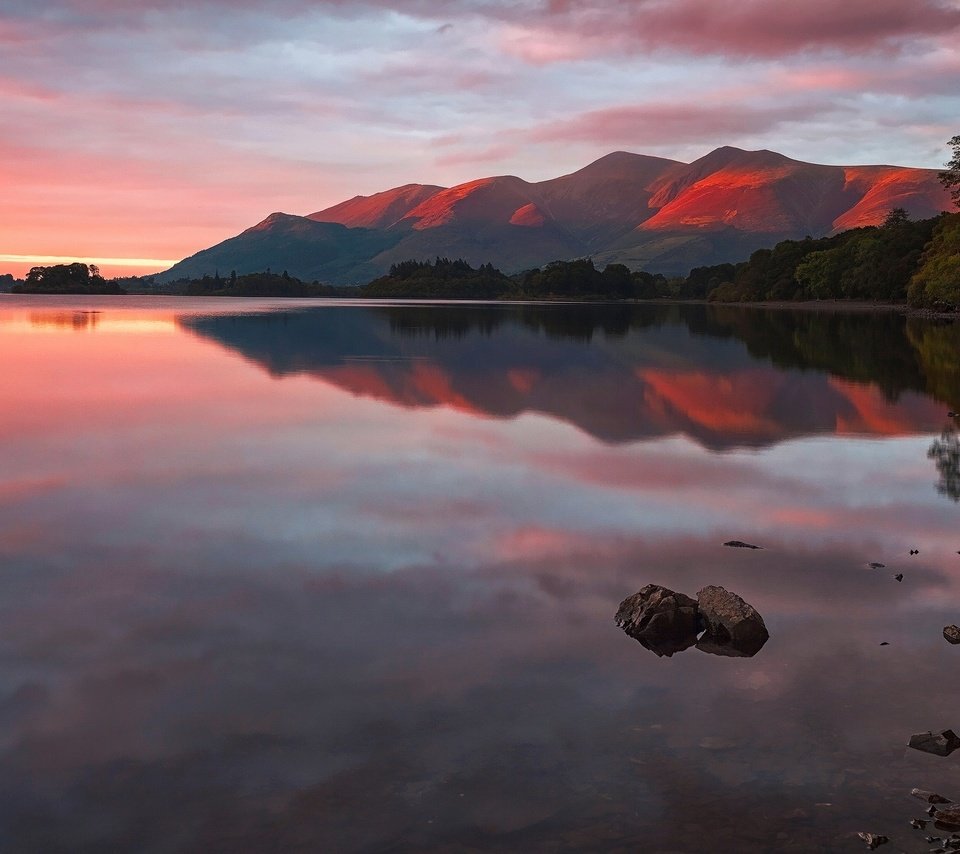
[[137, 132]]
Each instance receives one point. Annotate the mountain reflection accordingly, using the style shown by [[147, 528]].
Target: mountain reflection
[[726, 377]]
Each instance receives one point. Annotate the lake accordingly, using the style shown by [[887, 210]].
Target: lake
[[285, 576]]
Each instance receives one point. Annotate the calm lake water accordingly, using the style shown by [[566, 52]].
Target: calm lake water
[[280, 577]]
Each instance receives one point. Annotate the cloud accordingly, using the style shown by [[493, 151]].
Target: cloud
[[665, 122], [746, 29]]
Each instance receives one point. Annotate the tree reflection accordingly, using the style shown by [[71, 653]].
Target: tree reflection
[[945, 452]]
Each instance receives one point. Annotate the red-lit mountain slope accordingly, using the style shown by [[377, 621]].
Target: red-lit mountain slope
[[642, 211], [381, 210]]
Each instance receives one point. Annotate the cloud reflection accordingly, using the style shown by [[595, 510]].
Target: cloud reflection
[[239, 613]]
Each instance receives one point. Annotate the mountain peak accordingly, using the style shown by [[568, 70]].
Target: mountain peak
[[647, 212]]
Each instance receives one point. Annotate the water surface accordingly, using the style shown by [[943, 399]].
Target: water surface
[[281, 577]]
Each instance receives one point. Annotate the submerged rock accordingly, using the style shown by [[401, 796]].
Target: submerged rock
[[929, 797], [941, 743], [948, 816], [876, 565], [662, 621], [899, 576], [731, 626], [952, 634], [873, 840], [740, 544]]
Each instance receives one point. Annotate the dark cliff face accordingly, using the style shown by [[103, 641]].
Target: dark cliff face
[[643, 211]]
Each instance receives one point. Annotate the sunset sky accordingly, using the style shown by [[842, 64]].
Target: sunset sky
[[136, 132]]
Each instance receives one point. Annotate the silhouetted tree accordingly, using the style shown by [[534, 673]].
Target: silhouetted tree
[[950, 177], [897, 216]]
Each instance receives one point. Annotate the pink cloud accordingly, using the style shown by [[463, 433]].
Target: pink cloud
[[490, 154], [672, 123], [748, 28]]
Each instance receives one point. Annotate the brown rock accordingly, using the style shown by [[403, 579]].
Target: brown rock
[[873, 840], [941, 743], [952, 634], [662, 621], [929, 797], [732, 627], [948, 816]]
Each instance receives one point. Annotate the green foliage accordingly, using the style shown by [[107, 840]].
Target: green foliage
[[950, 177], [580, 279], [440, 279], [67, 279], [874, 263], [256, 285], [936, 283]]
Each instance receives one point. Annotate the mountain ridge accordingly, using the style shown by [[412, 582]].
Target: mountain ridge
[[659, 214]]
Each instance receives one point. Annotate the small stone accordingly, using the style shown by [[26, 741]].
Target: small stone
[[929, 797], [941, 743], [931, 811], [717, 743], [918, 824], [740, 544], [873, 840], [948, 816], [899, 576], [884, 643], [952, 634], [877, 565], [953, 415]]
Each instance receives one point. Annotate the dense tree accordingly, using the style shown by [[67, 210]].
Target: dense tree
[[950, 177], [67, 279], [937, 280]]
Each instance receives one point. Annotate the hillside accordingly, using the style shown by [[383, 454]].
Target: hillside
[[646, 212]]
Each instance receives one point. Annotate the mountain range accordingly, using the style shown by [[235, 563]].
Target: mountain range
[[646, 212]]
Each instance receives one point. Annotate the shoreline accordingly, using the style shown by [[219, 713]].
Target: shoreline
[[818, 306], [829, 307]]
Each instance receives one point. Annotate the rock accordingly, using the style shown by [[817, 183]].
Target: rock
[[914, 551], [884, 643], [716, 743], [873, 840], [662, 621], [929, 797], [941, 743], [953, 415], [918, 823], [876, 565], [899, 576], [948, 816], [731, 626], [952, 633], [740, 544]]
